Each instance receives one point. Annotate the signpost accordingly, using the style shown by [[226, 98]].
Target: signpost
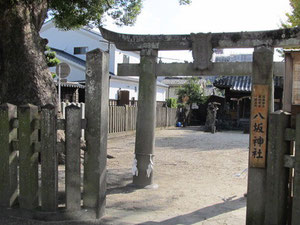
[[258, 132], [62, 70]]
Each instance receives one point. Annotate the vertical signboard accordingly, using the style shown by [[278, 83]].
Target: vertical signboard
[[296, 84], [258, 129]]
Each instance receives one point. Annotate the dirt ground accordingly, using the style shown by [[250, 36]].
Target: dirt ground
[[201, 178]]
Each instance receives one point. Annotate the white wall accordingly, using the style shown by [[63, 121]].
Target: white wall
[[133, 88], [67, 40], [133, 58], [161, 94], [76, 73], [115, 85]]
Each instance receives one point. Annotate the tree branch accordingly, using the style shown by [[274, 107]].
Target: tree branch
[[108, 4]]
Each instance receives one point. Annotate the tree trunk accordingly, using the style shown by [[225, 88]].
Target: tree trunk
[[24, 75]]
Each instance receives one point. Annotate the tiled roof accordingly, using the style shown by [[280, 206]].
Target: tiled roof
[[241, 83]]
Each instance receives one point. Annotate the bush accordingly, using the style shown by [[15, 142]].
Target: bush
[[172, 102]]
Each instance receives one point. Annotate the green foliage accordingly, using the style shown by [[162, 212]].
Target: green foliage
[[190, 92], [203, 99], [76, 13], [185, 2], [172, 102], [51, 57], [293, 18]]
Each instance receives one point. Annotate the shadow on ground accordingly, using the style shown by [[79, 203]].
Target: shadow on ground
[[204, 141], [202, 214], [119, 181], [186, 219]]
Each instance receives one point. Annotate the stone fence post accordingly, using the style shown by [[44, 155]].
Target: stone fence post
[[97, 81]]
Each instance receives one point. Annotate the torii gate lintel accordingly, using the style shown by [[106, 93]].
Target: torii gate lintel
[[202, 45]]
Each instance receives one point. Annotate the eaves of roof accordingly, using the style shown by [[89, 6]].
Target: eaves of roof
[[241, 83], [70, 57], [70, 84]]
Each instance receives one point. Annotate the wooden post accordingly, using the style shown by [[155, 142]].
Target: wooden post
[[28, 170], [114, 119], [262, 80], [8, 156], [49, 170], [97, 80], [82, 108], [296, 198], [277, 174], [110, 119], [73, 181], [288, 83], [167, 116], [126, 117], [63, 110]]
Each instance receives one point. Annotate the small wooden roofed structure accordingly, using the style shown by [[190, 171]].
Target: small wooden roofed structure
[[238, 97], [241, 86], [71, 91]]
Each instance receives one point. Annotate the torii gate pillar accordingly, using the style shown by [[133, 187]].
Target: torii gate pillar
[[262, 103], [146, 119]]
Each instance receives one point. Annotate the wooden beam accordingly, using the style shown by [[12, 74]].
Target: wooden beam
[[272, 38], [187, 69]]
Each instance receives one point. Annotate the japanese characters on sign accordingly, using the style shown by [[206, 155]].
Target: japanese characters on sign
[[258, 129], [296, 84]]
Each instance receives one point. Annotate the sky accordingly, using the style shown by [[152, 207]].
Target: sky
[[168, 17]]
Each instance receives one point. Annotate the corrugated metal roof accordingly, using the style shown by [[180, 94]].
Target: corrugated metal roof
[[241, 83], [178, 81], [173, 82], [70, 84]]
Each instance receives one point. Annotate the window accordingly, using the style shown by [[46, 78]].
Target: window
[[125, 59], [80, 50]]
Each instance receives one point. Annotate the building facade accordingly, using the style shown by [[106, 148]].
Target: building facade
[[71, 47]]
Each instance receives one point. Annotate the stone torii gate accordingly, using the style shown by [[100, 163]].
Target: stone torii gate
[[202, 44]]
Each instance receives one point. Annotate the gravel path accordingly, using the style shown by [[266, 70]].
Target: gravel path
[[202, 178]]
